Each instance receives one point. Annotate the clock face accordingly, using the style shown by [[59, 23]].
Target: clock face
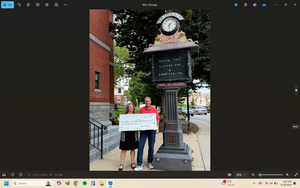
[[169, 25]]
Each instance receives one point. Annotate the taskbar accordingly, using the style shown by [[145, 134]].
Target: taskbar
[[151, 174], [145, 183]]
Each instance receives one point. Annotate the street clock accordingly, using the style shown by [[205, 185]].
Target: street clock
[[169, 26]]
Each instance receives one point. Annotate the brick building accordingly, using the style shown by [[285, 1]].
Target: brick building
[[101, 66], [119, 96]]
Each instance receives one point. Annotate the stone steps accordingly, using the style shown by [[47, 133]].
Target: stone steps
[[106, 138], [111, 140], [110, 129]]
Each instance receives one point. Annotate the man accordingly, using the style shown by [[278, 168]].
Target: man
[[150, 134]]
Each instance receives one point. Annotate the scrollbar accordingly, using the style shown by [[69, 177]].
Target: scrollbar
[[271, 174]]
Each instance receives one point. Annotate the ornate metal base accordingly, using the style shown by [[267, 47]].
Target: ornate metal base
[[173, 159]]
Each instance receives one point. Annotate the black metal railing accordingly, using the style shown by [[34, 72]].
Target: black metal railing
[[96, 126]]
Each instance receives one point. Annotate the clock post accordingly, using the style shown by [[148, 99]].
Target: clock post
[[171, 70]]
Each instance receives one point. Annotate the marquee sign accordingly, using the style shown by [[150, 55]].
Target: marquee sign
[[170, 14], [171, 66]]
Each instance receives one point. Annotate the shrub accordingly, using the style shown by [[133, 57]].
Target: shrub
[[114, 120]]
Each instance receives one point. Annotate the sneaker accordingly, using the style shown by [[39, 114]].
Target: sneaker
[[138, 168], [151, 166]]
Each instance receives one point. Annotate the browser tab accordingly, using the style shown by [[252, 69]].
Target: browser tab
[[7, 5]]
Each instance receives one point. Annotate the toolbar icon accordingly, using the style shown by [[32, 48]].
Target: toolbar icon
[[110, 183], [75, 183], [19, 4], [245, 4], [236, 4], [264, 4], [37, 4], [223, 182], [102, 183], [56, 4], [6, 183], [46, 4], [254, 5], [28, 4]]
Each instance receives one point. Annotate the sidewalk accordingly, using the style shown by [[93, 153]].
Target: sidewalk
[[203, 137], [111, 160]]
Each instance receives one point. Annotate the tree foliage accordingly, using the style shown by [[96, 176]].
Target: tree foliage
[[133, 99], [121, 61], [142, 89], [192, 102], [127, 94]]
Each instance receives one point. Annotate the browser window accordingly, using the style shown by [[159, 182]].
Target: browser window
[[123, 93]]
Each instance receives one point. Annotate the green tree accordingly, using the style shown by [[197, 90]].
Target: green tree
[[143, 89], [133, 99], [127, 94], [192, 102], [121, 61], [137, 86]]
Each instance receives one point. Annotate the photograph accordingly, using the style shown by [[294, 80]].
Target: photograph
[[149, 85]]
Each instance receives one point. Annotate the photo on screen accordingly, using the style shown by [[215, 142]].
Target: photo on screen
[[149, 90]]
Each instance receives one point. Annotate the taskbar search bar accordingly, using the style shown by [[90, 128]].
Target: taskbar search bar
[[32, 183]]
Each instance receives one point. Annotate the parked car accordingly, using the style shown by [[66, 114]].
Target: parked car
[[183, 111], [207, 108], [199, 110]]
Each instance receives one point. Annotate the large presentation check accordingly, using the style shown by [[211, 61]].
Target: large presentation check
[[133, 122]]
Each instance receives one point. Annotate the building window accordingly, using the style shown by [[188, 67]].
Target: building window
[[97, 80], [119, 99], [119, 90]]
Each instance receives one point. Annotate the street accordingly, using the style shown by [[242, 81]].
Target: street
[[202, 117]]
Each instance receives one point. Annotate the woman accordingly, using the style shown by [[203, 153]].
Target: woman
[[129, 140]]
